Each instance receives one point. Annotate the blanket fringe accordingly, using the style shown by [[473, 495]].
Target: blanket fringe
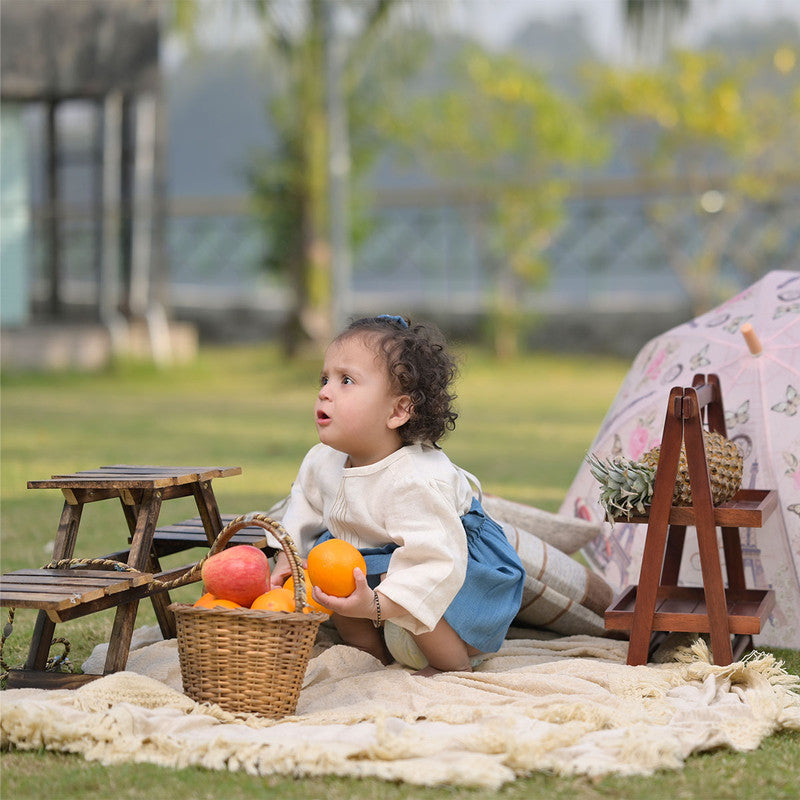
[[756, 661], [698, 650], [773, 669]]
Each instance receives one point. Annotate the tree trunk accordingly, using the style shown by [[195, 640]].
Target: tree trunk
[[311, 316]]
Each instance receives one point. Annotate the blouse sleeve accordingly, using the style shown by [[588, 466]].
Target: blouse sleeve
[[428, 567], [303, 516]]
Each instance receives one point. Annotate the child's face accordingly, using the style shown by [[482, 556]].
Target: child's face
[[356, 410]]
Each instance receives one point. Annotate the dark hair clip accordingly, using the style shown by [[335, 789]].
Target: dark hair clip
[[393, 318]]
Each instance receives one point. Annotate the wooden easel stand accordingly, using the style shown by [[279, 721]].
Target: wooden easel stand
[[657, 603]]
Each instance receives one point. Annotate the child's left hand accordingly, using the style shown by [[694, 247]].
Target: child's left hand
[[360, 603]]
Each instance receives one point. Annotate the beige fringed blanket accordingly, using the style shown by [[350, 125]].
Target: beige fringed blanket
[[569, 705]]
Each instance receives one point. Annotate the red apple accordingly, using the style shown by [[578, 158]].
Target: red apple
[[240, 573]]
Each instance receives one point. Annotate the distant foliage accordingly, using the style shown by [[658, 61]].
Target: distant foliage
[[502, 132], [726, 124]]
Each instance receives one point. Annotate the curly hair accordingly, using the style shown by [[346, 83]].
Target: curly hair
[[419, 366]]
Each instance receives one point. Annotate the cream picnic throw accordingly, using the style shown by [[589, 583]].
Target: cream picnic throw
[[569, 705]]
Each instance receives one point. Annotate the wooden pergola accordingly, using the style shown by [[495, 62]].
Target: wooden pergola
[[105, 52]]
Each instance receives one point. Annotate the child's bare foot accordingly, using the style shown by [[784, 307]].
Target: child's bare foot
[[427, 672]]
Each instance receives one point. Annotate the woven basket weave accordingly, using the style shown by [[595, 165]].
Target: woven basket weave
[[244, 660]]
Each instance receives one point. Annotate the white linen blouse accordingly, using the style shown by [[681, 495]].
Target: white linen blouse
[[413, 498]]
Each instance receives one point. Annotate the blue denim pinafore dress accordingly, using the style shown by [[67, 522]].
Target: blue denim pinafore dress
[[490, 596]]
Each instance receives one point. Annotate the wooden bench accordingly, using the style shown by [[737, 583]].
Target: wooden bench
[[65, 594]]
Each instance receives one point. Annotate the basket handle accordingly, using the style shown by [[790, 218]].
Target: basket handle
[[278, 531]]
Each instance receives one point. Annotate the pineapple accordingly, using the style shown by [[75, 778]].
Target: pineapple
[[627, 486]]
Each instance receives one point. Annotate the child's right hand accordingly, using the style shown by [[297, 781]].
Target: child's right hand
[[360, 603], [280, 572]]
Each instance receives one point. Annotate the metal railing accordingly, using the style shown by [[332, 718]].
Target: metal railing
[[615, 246]]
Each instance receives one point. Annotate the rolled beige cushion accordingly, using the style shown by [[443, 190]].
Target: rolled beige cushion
[[559, 593], [568, 534]]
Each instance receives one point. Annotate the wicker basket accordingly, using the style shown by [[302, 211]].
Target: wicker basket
[[245, 660]]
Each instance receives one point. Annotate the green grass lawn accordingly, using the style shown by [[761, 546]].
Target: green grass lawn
[[525, 425]]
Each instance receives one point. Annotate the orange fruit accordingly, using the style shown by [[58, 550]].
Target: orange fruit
[[221, 602], [206, 601], [209, 601], [315, 606], [274, 600], [331, 565]]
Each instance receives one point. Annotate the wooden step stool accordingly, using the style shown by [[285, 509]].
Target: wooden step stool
[[657, 603], [78, 589]]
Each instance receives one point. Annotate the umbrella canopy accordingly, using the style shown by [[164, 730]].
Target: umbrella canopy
[[759, 371]]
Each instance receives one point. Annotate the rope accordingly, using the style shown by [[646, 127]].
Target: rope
[[7, 631], [67, 563], [53, 664], [120, 566]]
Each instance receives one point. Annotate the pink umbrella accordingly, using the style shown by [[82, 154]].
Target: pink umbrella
[[753, 343]]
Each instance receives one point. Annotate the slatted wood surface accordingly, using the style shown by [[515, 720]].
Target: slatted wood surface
[[190, 533], [683, 608], [747, 509], [61, 591], [127, 476]]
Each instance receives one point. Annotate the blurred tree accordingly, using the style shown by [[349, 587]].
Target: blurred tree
[[292, 179], [500, 132], [652, 23], [725, 131]]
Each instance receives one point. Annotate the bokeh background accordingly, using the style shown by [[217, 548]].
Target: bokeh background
[[573, 176]]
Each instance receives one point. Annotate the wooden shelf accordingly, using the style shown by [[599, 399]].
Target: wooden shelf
[[134, 477], [747, 509], [68, 593], [191, 533], [683, 608], [658, 604]]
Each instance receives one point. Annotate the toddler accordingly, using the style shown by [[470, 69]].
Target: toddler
[[440, 573]]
